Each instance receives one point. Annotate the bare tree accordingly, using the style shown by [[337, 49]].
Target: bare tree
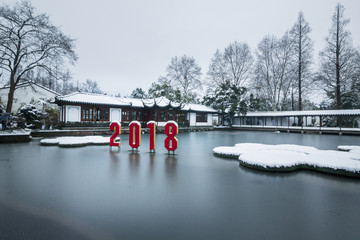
[[67, 83], [184, 73], [303, 49], [218, 73], [90, 86], [29, 41], [274, 69], [234, 65], [337, 59]]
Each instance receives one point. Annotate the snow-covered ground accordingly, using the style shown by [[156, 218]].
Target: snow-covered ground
[[286, 157], [15, 132], [76, 141], [349, 148]]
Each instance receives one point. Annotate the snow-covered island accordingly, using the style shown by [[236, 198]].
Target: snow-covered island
[[76, 141], [287, 157]]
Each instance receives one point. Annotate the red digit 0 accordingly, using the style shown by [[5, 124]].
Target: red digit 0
[[134, 134], [171, 130], [152, 126], [115, 126]]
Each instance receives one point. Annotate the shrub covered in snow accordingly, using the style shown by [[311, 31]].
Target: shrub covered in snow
[[53, 119], [31, 117], [5, 118]]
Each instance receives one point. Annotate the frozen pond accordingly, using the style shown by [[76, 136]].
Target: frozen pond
[[93, 193]]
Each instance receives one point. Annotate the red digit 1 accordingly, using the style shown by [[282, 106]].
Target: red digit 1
[[171, 129], [152, 126], [134, 134], [115, 126]]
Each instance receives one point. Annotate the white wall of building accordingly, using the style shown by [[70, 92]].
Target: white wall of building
[[208, 123], [192, 119], [115, 114], [193, 122], [73, 114], [29, 93]]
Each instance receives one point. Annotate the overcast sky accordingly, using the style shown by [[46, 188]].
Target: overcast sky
[[128, 44]]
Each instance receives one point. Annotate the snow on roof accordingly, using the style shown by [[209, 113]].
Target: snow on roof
[[91, 98], [148, 102], [135, 102], [162, 102], [198, 108], [353, 112], [26, 84]]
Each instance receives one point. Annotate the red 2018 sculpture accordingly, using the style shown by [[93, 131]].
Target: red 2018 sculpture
[[171, 130], [115, 126], [134, 134]]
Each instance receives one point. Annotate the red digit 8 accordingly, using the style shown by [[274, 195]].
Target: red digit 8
[[115, 126], [152, 126], [134, 134], [171, 130]]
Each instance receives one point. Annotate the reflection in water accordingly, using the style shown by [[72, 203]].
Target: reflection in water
[[36, 216], [267, 173], [151, 165], [170, 167], [114, 156], [183, 196], [134, 160]]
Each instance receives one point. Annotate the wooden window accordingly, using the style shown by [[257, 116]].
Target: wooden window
[[162, 116], [154, 116], [201, 117], [126, 115], [133, 115], [94, 114], [181, 117], [170, 116], [87, 113], [102, 114]]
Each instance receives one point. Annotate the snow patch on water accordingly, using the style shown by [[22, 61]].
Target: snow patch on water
[[76, 141], [291, 156]]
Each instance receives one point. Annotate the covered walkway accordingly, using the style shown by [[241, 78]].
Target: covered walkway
[[319, 121]]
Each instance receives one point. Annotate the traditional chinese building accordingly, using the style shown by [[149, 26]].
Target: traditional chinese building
[[86, 107]]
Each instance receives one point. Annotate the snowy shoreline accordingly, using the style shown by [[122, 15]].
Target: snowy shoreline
[[286, 158], [76, 141]]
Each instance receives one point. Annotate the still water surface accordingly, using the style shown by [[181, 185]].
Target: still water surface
[[94, 193]]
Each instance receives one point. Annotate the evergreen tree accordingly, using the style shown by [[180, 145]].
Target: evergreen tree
[[138, 93], [229, 99]]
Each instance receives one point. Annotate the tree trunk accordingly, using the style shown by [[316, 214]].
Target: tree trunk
[[338, 91], [300, 119], [11, 94]]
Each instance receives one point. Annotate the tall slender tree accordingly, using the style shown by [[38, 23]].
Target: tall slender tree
[[303, 50], [337, 59]]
